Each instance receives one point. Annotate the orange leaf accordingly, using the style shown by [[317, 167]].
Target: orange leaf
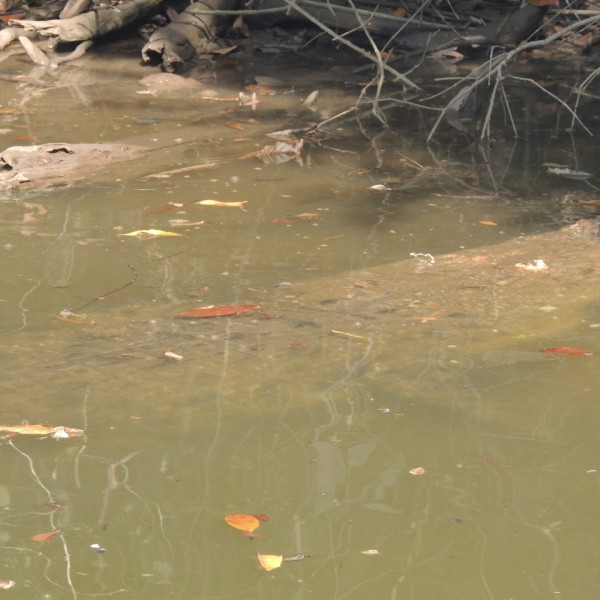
[[490, 223], [218, 311], [246, 523], [269, 561], [46, 537], [567, 350]]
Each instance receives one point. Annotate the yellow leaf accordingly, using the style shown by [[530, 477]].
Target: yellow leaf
[[399, 12], [225, 204], [146, 234], [269, 561]]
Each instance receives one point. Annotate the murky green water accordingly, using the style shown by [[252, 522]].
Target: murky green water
[[274, 414]]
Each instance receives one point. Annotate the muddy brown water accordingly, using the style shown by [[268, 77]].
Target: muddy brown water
[[394, 331]]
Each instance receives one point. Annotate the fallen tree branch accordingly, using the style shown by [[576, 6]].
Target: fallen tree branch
[[92, 24]]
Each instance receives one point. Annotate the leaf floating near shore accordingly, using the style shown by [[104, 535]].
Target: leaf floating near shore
[[6, 584], [567, 350], [58, 433], [146, 234], [218, 311]]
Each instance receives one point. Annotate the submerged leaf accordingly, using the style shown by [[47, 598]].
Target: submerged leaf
[[218, 311], [243, 522], [46, 537], [567, 350], [269, 561]]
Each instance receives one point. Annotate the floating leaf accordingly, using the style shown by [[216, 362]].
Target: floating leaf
[[6, 584], [239, 204], [370, 552], [490, 223], [55, 432], [218, 311], [46, 537], [269, 561], [184, 223], [246, 523], [417, 471], [567, 350], [146, 234]]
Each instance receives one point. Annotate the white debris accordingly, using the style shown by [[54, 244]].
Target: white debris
[[536, 265]]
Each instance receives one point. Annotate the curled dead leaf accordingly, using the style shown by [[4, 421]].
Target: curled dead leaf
[[417, 471]]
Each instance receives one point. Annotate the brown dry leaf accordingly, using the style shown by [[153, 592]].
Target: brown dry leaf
[[147, 234], [423, 319], [55, 432], [243, 522], [225, 51], [240, 27], [490, 223], [399, 12], [237, 126], [46, 537], [269, 561], [239, 204], [417, 471]]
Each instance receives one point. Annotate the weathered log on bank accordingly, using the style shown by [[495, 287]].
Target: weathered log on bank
[[189, 33], [94, 23]]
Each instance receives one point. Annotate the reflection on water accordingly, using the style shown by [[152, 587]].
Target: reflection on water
[[274, 414]]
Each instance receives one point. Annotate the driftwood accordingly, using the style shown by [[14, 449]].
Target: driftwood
[[94, 23], [189, 33], [50, 165]]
